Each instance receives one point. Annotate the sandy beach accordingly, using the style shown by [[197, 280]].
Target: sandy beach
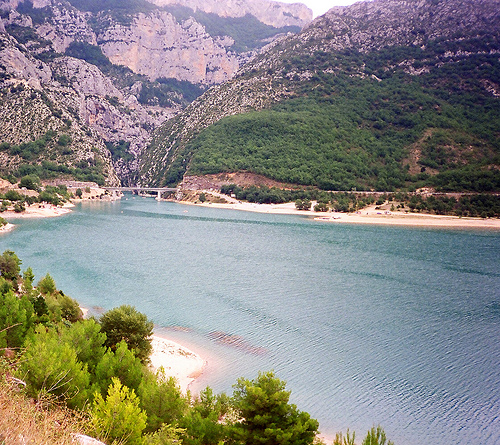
[[368, 215], [39, 211], [177, 361]]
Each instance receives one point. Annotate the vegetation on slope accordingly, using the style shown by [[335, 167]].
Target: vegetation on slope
[[406, 108], [348, 132], [91, 376]]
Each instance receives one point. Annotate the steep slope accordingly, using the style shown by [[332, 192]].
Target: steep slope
[[381, 95], [116, 70]]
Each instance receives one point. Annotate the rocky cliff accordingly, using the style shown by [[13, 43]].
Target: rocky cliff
[[116, 71]]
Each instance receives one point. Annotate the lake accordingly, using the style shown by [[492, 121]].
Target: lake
[[368, 325]]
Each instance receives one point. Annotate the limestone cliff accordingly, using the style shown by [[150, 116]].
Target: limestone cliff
[[275, 14], [156, 45]]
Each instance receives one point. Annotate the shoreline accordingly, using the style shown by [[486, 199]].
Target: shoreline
[[176, 360], [368, 215], [39, 211]]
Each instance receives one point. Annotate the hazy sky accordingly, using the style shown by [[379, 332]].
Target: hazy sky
[[319, 7]]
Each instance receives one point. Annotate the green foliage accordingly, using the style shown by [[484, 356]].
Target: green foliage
[[121, 364], [38, 15], [28, 279], [16, 319], [358, 120], [376, 436], [480, 205], [247, 32], [127, 324], [119, 150], [78, 192], [88, 341], [63, 307], [117, 6], [166, 435], [31, 182], [202, 423], [64, 140], [304, 204], [12, 195], [161, 400], [10, 265], [188, 90], [267, 417], [347, 440], [90, 53], [118, 417], [50, 366], [47, 285], [166, 92]]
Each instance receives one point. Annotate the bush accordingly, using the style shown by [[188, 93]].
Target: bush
[[31, 182], [51, 367], [303, 204]]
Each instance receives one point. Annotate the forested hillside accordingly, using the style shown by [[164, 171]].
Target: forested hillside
[[380, 95]]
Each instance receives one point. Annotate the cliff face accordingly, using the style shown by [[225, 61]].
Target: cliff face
[[275, 14], [368, 41], [156, 45]]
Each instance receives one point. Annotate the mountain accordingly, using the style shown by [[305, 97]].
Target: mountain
[[381, 95], [104, 74]]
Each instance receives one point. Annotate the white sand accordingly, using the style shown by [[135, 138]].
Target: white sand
[[177, 361], [39, 211], [368, 215]]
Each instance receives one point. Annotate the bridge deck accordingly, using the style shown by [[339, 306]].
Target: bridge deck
[[140, 189]]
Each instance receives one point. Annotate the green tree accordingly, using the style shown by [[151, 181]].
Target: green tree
[[16, 320], [50, 365], [46, 285], [376, 436], [347, 440], [118, 417], [78, 193], [28, 279], [122, 364], [31, 182], [202, 424], [10, 265], [161, 399], [88, 340], [126, 323], [166, 435], [267, 417], [303, 204]]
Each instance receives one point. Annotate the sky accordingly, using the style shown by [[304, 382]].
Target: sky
[[319, 7]]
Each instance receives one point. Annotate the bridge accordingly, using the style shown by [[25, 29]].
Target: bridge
[[158, 190]]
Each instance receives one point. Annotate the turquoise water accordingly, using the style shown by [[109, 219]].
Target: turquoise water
[[368, 325]]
